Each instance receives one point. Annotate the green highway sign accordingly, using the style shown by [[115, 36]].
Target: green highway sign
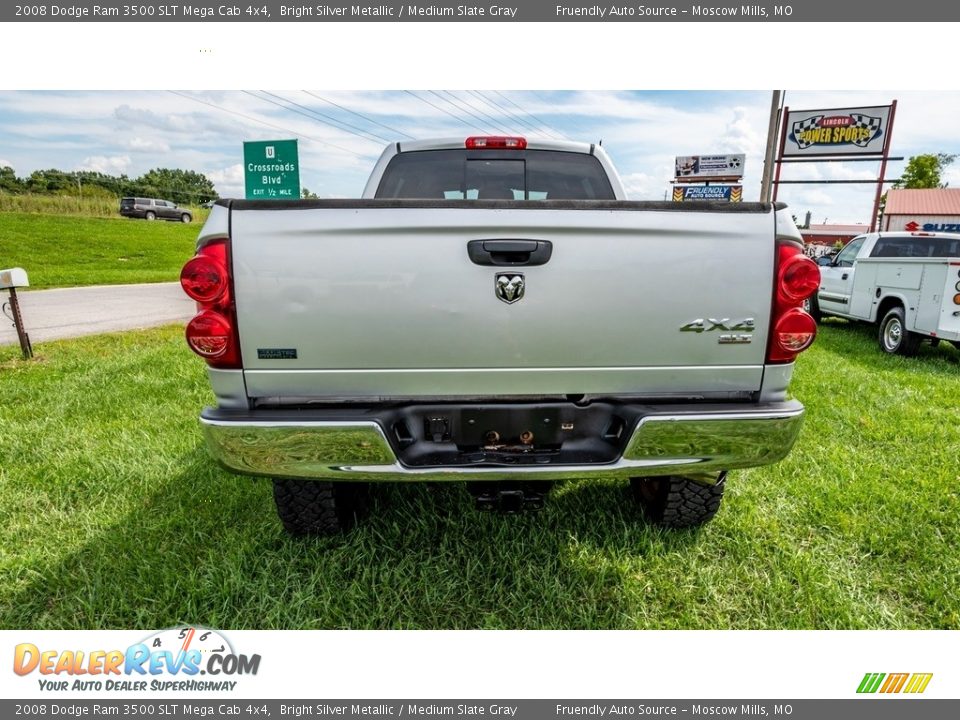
[[271, 170]]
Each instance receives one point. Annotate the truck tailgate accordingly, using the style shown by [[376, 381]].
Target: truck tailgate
[[380, 298]]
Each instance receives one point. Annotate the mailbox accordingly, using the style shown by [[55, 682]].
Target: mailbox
[[13, 278]]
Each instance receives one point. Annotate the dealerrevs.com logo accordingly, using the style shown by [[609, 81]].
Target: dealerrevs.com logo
[[173, 659]]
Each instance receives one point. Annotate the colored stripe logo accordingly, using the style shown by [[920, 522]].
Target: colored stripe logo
[[913, 683]]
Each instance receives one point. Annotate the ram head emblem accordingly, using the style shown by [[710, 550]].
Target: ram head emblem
[[509, 287]]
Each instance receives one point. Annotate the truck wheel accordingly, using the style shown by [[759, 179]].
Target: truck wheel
[[894, 338], [678, 502], [319, 507]]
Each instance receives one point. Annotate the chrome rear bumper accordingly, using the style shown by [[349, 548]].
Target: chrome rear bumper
[[687, 441]]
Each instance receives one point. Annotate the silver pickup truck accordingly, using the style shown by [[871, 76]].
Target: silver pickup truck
[[495, 311]]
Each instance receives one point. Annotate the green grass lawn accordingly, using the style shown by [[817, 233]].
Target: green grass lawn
[[113, 516], [64, 251]]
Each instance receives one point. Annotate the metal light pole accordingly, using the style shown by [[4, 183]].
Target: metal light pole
[[768, 157]]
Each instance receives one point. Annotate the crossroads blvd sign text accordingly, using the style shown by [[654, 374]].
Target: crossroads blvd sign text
[[271, 170]]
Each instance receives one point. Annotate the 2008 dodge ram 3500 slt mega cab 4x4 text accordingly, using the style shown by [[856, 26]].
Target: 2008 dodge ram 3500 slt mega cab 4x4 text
[[495, 311]]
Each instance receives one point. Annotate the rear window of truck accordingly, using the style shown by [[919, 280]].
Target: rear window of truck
[[488, 175], [916, 247]]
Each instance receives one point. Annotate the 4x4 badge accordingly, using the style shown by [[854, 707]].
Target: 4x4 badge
[[509, 286], [700, 325]]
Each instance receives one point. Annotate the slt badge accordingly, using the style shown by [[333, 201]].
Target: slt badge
[[509, 286]]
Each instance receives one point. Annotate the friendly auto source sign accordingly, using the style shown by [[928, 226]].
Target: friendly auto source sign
[[724, 193], [697, 167], [840, 131], [271, 170]]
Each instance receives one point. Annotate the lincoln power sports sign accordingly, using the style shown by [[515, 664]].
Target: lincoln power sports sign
[[840, 131]]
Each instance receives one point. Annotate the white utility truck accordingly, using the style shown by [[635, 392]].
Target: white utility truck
[[495, 311], [906, 282]]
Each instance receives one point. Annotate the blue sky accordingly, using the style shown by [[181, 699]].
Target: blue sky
[[342, 133]]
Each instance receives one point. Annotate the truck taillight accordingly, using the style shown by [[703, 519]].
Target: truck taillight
[[495, 142], [209, 334], [212, 333], [792, 330], [204, 278], [798, 278], [795, 331]]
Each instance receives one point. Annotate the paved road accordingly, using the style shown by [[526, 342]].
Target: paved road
[[71, 312]]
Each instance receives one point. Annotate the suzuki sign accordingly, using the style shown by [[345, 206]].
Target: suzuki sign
[[921, 226]]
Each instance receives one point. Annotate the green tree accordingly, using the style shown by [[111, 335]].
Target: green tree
[[307, 195], [50, 182], [88, 179], [184, 187], [921, 172], [924, 171], [9, 182]]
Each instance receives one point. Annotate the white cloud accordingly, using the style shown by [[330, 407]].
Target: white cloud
[[801, 171], [642, 185], [950, 176], [139, 144], [816, 197], [742, 135], [111, 165], [841, 171], [5, 163], [228, 181], [137, 117]]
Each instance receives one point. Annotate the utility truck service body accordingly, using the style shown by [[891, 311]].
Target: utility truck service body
[[906, 282], [494, 311]]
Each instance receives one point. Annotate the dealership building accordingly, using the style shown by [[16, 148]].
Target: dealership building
[[933, 210]]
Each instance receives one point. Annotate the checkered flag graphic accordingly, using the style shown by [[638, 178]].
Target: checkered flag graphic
[[802, 125], [868, 123]]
